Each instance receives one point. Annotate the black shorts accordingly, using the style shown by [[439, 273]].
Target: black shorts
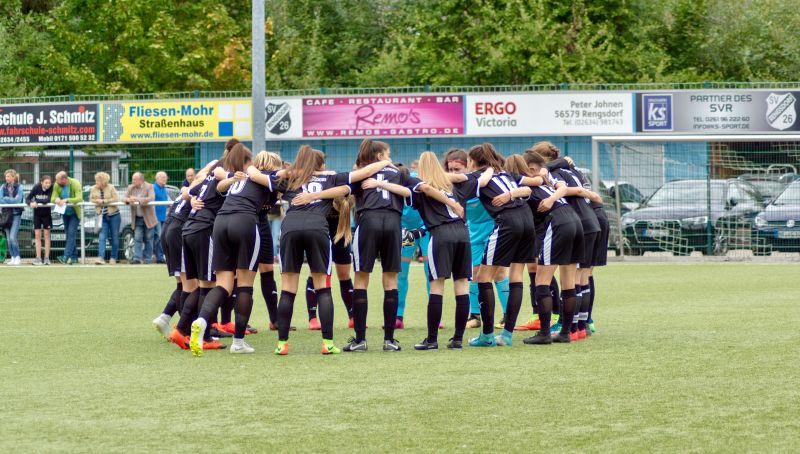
[[562, 238], [378, 235], [172, 244], [512, 240], [237, 242], [340, 253], [314, 245], [600, 256], [449, 252], [589, 242], [43, 220], [198, 248], [265, 254]]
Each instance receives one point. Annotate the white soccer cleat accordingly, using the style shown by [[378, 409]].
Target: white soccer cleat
[[162, 326], [245, 348]]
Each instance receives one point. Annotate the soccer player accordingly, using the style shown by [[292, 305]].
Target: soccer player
[[304, 232], [269, 162], [480, 225], [449, 252], [510, 244], [560, 244], [591, 230], [197, 249], [415, 237]]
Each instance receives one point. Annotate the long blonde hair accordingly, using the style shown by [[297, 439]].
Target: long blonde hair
[[343, 205], [431, 172], [267, 160], [13, 173], [307, 162]]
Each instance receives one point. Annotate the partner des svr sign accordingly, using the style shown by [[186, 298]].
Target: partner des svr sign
[[284, 118], [718, 112], [549, 114]]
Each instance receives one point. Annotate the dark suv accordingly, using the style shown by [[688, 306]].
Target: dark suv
[[680, 217]]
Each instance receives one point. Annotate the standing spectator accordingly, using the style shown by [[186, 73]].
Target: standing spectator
[[144, 217], [67, 192], [189, 177], [42, 217], [103, 194], [160, 190], [12, 193]]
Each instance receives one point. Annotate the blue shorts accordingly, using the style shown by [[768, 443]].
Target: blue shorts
[[479, 236]]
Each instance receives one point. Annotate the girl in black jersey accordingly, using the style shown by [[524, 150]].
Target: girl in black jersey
[[304, 233], [196, 249], [449, 251], [560, 244], [270, 162], [510, 244]]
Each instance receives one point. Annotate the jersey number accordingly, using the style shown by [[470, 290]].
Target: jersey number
[[383, 192], [237, 186], [313, 187]]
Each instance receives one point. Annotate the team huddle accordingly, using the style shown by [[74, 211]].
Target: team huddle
[[478, 218]]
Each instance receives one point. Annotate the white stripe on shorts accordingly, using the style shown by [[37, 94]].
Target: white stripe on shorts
[[210, 257], [491, 245], [431, 261], [183, 260], [330, 257], [256, 250], [547, 251], [355, 250]]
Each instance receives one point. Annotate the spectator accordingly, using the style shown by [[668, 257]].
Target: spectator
[[189, 177], [12, 193], [67, 193], [103, 194], [42, 217], [144, 218], [160, 190]]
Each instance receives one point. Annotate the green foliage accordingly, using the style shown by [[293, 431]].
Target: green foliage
[[52, 47]]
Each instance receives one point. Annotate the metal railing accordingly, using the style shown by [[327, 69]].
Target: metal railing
[[83, 218]]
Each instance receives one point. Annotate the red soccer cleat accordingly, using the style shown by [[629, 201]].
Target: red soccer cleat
[[212, 345], [179, 339], [229, 327], [573, 336], [398, 324], [314, 325], [530, 325], [350, 323], [581, 334]]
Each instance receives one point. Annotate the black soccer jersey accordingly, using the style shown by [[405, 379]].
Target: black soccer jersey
[[435, 213], [539, 193], [499, 184], [313, 214], [378, 199], [180, 209], [212, 200], [246, 196], [270, 206], [579, 204]]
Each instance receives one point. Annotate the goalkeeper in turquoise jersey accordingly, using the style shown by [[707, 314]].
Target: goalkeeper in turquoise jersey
[[414, 236], [480, 225]]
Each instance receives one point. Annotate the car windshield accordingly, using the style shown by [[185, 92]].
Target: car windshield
[[688, 192], [767, 187], [790, 196]]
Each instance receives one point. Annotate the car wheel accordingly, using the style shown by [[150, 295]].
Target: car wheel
[[127, 244]]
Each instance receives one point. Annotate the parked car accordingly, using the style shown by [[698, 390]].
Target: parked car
[[629, 196], [91, 224], [680, 217], [779, 224], [769, 185]]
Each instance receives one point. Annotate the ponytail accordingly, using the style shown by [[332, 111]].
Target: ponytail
[[368, 152], [484, 155], [343, 205]]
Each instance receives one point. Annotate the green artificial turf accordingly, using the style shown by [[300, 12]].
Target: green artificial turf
[[687, 358]]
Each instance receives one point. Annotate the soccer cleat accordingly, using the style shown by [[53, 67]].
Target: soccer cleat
[[426, 345], [314, 325], [474, 322], [213, 345], [162, 326], [273, 327], [391, 345], [179, 339], [229, 327], [561, 338], [219, 334], [353, 346], [282, 348], [590, 324], [454, 344], [504, 339], [539, 339], [573, 336], [328, 348], [533, 324], [250, 330], [196, 339], [501, 324], [484, 340], [555, 328], [243, 349], [350, 323], [588, 331], [398, 324], [581, 334]]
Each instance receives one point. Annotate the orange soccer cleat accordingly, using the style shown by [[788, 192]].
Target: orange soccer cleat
[[212, 345], [179, 339], [314, 324]]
